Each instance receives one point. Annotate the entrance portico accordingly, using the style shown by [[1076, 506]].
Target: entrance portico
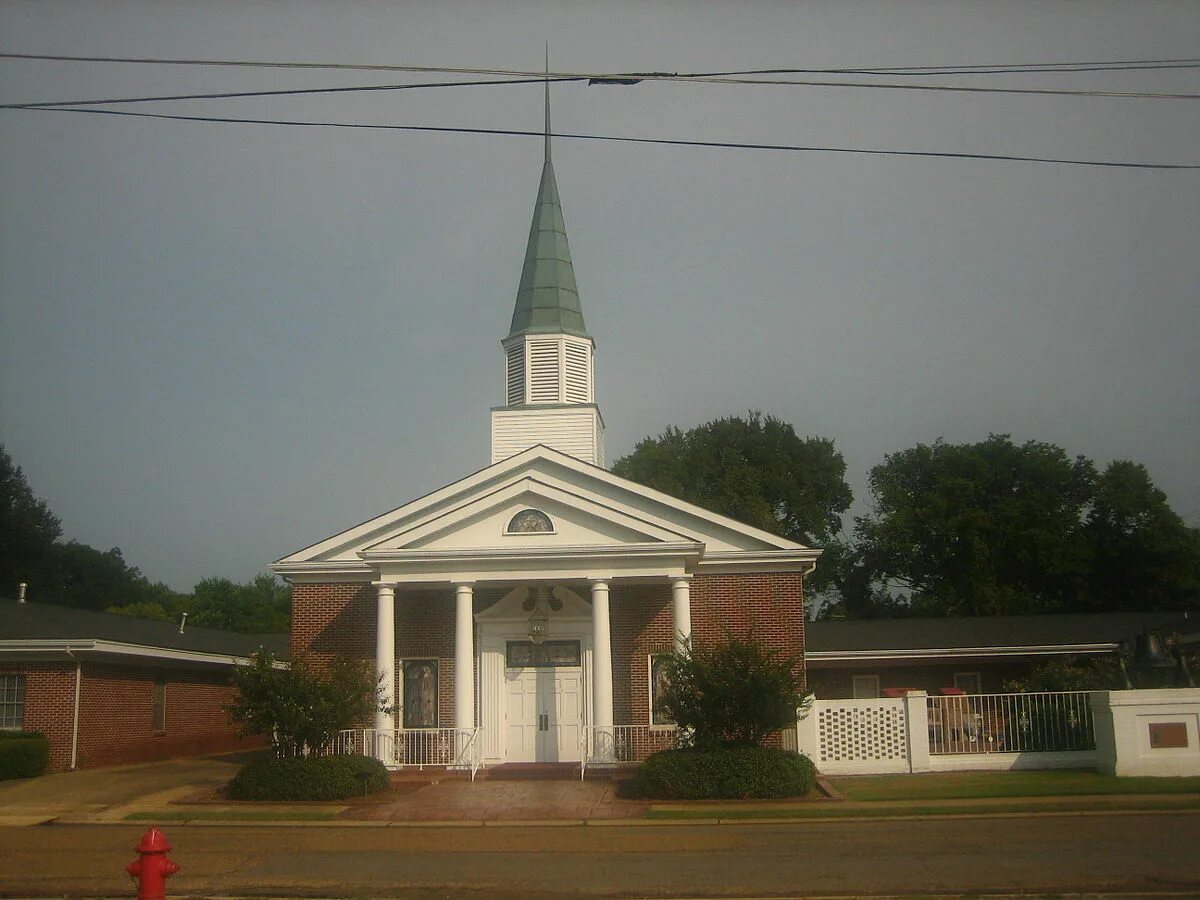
[[533, 671]]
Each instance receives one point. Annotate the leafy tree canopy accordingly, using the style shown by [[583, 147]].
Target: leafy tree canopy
[[28, 532], [756, 470], [996, 528]]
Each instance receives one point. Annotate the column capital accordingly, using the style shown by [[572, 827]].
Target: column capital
[[385, 587], [599, 582], [460, 586], [681, 579]]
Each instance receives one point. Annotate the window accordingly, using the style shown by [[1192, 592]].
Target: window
[[530, 521], [546, 655], [12, 701], [659, 680], [866, 687], [160, 705], [420, 693], [968, 682]]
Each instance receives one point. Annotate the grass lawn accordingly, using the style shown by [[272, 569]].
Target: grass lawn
[[971, 785]]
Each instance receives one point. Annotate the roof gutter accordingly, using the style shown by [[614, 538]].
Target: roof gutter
[[118, 648]]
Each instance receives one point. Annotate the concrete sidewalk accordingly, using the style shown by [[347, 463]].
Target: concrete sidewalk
[[183, 791]]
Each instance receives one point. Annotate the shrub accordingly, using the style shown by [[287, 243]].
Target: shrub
[[309, 778], [23, 754], [733, 693], [301, 708], [726, 773]]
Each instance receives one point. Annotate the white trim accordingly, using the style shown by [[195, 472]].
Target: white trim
[[505, 468], [811, 656], [117, 648]]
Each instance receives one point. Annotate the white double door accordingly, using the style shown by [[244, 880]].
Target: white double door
[[543, 714]]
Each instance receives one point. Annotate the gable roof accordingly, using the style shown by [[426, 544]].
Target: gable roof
[[23, 625], [577, 489], [1063, 633]]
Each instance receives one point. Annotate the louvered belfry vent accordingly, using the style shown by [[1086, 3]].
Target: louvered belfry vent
[[544, 377], [577, 372], [514, 373]]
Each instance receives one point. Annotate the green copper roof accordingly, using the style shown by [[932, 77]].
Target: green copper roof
[[547, 300]]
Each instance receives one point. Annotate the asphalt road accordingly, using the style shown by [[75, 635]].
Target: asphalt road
[[1143, 852]]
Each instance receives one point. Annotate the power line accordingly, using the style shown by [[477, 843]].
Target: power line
[[279, 93], [728, 145], [630, 79], [982, 69]]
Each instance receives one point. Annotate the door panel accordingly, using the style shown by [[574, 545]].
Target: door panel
[[521, 708]]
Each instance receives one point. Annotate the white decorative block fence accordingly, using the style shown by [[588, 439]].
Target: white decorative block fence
[[1154, 732]]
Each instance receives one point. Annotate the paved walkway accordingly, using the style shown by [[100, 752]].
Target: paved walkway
[[184, 790]]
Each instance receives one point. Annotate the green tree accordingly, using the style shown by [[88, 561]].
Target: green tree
[[979, 529], [1145, 556], [301, 708], [259, 606], [28, 532], [733, 693], [756, 470]]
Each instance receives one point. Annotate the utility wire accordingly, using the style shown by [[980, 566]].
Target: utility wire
[[730, 145], [981, 69], [278, 93], [629, 79]]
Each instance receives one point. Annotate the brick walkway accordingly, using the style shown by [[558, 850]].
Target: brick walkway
[[499, 800]]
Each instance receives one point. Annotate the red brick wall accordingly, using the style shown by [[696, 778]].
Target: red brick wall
[[116, 712], [769, 607], [49, 697], [332, 619]]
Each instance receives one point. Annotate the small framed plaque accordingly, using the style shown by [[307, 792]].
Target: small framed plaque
[[1168, 735]]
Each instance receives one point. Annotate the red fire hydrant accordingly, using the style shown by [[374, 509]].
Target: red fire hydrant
[[153, 869]]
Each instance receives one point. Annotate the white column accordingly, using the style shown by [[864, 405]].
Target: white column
[[602, 691], [681, 609], [464, 657], [385, 670]]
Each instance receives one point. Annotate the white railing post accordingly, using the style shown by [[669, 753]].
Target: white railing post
[[916, 717]]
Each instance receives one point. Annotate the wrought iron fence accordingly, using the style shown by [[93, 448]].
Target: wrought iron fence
[[1010, 723], [415, 748], [623, 744]]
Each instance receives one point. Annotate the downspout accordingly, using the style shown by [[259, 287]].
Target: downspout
[[75, 710]]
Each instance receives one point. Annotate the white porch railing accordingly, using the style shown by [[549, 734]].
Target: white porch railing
[[1010, 723], [623, 744], [416, 748]]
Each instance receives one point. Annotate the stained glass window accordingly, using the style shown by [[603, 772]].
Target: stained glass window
[[546, 655], [420, 693]]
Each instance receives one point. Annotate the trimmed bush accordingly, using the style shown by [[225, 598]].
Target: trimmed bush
[[23, 754], [309, 778], [726, 773]]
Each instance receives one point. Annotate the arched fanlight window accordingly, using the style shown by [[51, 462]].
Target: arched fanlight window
[[529, 521]]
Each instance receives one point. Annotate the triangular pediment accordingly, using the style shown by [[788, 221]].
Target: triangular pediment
[[587, 506]]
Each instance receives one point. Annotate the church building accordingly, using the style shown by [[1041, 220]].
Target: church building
[[516, 614]]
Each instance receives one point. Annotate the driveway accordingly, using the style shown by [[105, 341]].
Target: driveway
[[27, 801]]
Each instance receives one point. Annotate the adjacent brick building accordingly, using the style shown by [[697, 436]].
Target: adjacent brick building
[[108, 689]]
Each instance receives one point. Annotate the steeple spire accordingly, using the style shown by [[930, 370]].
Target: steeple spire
[[547, 101], [547, 299], [549, 358]]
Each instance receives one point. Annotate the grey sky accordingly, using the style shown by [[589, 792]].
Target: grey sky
[[220, 343]]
